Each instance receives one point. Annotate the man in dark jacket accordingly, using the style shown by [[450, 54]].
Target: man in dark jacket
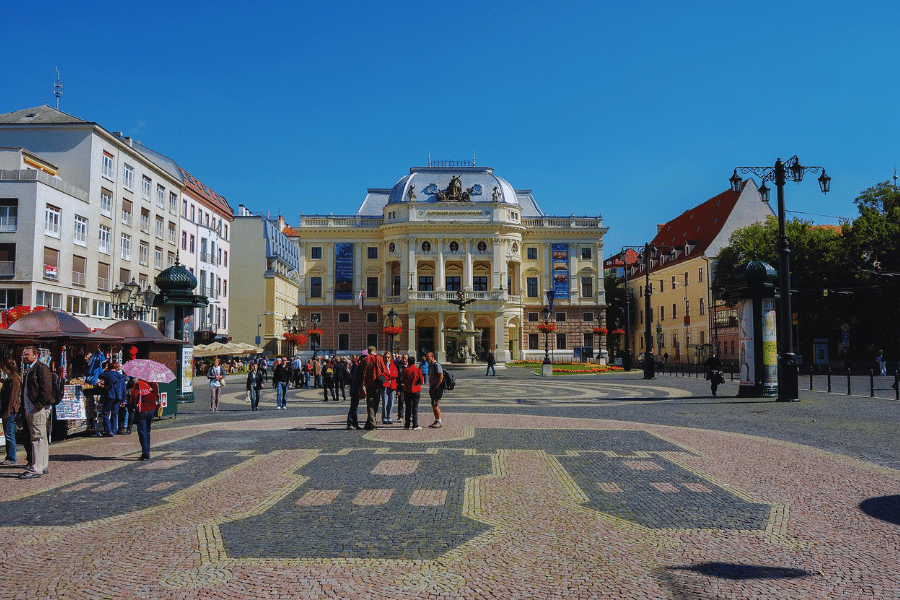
[[280, 379], [356, 392], [373, 378], [37, 394]]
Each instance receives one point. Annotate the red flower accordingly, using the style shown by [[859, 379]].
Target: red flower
[[392, 330], [601, 330], [315, 332], [619, 331], [547, 327]]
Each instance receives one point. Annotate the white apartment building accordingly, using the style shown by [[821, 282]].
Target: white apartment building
[[91, 212]]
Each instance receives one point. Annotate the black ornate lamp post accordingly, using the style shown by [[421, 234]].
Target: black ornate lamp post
[[599, 336], [546, 314], [130, 301], [290, 326], [392, 316], [788, 384], [314, 339]]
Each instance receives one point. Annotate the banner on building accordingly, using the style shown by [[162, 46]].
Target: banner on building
[[343, 271], [560, 268]]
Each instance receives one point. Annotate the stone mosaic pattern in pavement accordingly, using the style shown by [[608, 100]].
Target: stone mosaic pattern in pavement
[[489, 506]]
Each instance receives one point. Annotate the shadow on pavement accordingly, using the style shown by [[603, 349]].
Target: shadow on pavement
[[740, 572], [886, 508]]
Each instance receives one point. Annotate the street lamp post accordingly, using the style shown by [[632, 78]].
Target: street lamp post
[[392, 316], [788, 384], [314, 339], [599, 336], [546, 314], [259, 326], [130, 301]]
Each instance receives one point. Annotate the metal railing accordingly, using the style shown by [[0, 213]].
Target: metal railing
[[77, 278], [7, 268]]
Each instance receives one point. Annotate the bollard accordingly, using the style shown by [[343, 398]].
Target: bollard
[[810, 379], [871, 383], [829, 380], [731, 372], [848, 381]]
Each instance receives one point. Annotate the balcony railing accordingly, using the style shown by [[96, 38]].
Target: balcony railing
[[77, 278], [207, 257], [9, 223], [103, 284], [7, 268], [444, 296]]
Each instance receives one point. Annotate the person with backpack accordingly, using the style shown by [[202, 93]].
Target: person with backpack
[[37, 390], [328, 380], [435, 388]]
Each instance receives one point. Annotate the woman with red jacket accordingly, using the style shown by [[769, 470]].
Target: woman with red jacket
[[146, 398], [389, 391]]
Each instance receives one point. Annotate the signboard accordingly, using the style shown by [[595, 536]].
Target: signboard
[[164, 399], [187, 370], [50, 271], [745, 341], [769, 344], [343, 271], [71, 407], [560, 269]]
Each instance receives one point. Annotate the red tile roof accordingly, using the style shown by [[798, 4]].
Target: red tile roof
[[199, 189], [697, 226], [290, 231]]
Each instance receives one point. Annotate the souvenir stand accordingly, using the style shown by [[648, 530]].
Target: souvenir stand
[[69, 344], [142, 340]]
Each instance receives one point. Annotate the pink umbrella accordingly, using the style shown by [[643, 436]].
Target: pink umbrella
[[148, 370]]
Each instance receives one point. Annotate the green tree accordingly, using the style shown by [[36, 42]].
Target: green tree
[[883, 197]]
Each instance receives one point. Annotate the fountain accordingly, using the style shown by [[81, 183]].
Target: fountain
[[460, 340]]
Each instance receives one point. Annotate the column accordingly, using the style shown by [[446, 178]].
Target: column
[[441, 349], [440, 284], [411, 335], [404, 266], [501, 348], [413, 279], [358, 283], [328, 284], [548, 271], [496, 274], [467, 267]]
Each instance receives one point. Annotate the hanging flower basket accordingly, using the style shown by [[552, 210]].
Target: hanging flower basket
[[547, 327], [601, 330], [315, 332], [619, 331], [392, 330], [298, 339]]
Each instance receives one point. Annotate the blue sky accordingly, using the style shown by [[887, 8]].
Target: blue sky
[[634, 111]]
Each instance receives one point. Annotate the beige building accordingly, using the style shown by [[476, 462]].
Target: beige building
[[446, 232], [682, 323]]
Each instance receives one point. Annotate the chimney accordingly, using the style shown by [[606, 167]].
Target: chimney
[[659, 227]]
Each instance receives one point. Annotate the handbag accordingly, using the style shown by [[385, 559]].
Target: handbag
[[381, 379], [159, 410]]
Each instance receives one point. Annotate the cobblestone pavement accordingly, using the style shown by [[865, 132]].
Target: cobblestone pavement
[[570, 487]]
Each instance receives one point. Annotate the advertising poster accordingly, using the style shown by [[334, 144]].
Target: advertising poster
[[745, 341], [71, 407], [343, 271], [560, 268], [187, 370], [769, 344]]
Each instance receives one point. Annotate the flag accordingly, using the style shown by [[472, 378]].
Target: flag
[[362, 296]]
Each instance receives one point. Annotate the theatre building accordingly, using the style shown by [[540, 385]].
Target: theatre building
[[447, 233]]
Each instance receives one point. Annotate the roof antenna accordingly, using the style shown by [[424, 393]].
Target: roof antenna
[[429, 158], [473, 160], [57, 88]]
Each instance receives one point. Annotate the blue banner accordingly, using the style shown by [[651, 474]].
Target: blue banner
[[559, 264], [343, 271]]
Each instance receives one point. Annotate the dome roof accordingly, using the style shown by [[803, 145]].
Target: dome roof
[[50, 321], [176, 278], [433, 184], [134, 331]]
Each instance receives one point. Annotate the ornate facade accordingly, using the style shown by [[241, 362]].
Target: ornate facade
[[439, 231]]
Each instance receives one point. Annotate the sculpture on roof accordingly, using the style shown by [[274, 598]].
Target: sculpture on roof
[[454, 192], [496, 195], [411, 192]]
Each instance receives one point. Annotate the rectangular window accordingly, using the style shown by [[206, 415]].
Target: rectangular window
[[170, 260], [426, 283], [105, 245], [587, 287], [78, 305], [560, 341], [106, 203], [673, 283], [206, 219], [144, 254], [662, 313], [78, 270], [343, 341], [108, 168], [128, 177], [103, 277], [395, 291], [315, 287], [700, 275], [533, 341], [225, 258], [157, 258], [560, 317], [81, 230], [531, 253], [702, 307], [586, 253], [372, 251], [126, 212], [224, 288], [10, 298], [145, 220], [9, 215], [191, 245], [674, 311], [52, 217], [100, 309], [315, 252], [51, 263], [533, 317], [124, 276], [125, 246], [587, 340], [372, 287], [372, 339], [371, 317], [587, 317], [479, 284], [193, 208], [184, 240], [48, 299], [453, 284], [146, 186], [160, 196], [184, 209], [173, 203], [343, 317], [225, 232], [159, 227]]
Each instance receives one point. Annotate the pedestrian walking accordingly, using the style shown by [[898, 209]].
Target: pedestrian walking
[[356, 392], [435, 387], [411, 383], [280, 379], [896, 376], [373, 380], [10, 400], [388, 390], [491, 361], [114, 388], [255, 382], [714, 375], [37, 397], [145, 397], [216, 376], [341, 376], [328, 384]]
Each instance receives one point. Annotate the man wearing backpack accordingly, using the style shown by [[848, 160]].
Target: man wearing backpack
[[435, 387], [37, 390]]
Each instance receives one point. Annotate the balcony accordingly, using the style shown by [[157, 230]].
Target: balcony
[[103, 284], [78, 278], [7, 268], [207, 257], [126, 217], [416, 296], [8, 224]]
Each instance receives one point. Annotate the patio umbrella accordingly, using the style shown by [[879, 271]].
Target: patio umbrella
[[148, 370]]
